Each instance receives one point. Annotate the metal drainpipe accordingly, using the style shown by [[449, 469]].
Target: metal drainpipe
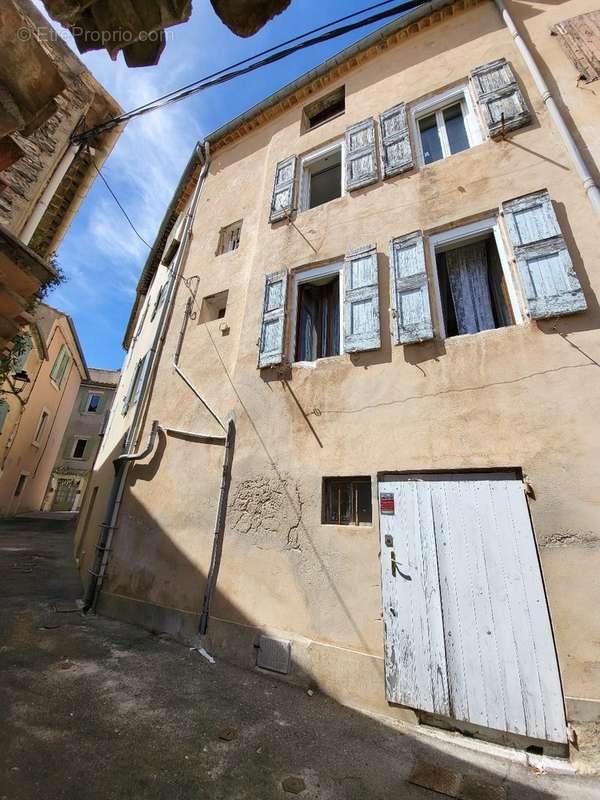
[[589, 184], [107, 527]]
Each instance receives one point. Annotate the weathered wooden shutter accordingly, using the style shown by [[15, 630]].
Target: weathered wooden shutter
[[284, 189], [396, 150], [137, 388], [549, 281], [409, 291], [500, 99], [361, 155], [272, 326], [361, 300], [580, 39]]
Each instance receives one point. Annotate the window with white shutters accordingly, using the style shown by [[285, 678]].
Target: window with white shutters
[[361, 300], [284, 189], [272, 326], [550, 285], [500, 100], [361, 155], [411, 311], [396, 150]]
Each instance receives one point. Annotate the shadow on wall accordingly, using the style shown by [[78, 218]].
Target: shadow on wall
[[237, 643]]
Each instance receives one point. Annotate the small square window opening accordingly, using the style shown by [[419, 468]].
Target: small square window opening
[[347, 501], [229, 238], [93, 403], [324, 109], [214, 306], [321, 177], [475, 289]]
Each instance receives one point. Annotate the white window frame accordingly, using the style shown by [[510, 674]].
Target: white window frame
[[87, 402], [38, 433], [464, 234], [305, 276], [76, 441], [436, 105], [308, 160]]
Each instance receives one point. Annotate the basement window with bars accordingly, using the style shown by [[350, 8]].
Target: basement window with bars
[[324, 109], [347, 501], [229, 238]]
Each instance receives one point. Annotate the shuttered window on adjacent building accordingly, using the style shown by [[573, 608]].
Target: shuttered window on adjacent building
[[580, 39]]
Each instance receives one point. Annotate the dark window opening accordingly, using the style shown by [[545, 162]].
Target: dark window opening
[[94, 403], [473, 291], [214, 307], [324, 179], [318, 321], [20, 485], [325, 108], [79, 449], [347, 501]]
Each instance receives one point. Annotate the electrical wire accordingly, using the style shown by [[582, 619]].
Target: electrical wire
[[236, 70], [116, 199]]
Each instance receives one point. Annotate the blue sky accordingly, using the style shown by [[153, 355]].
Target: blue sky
[[100, 255]]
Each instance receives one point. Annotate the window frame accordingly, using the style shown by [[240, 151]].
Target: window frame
[[436, 105], [63, 356], [337, 93], [41, 426], [223, 233], [20, 485], [463, 234], [331, 481], [76, 441], [305, 276], [91, 394], [309, 159]]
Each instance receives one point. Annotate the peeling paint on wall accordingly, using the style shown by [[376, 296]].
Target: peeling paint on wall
[[567, 537], [267, 510]]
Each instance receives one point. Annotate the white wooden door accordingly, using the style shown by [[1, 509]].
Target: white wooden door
[[467, 629]]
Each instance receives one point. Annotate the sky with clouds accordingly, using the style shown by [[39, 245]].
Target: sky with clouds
[[100, 255]]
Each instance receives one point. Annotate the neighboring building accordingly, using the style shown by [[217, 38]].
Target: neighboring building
[[46, 95], [81, 441], [34, 414], [388, 312]]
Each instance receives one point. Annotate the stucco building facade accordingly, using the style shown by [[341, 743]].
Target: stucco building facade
[[386, 316], [81, 441], [33, 422]]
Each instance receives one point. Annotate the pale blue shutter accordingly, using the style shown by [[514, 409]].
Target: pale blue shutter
[[549, 282], [4, 409], [498, 94], [396, 150], [284, 189], [361, 156], [272, 326], [409, 291], [137, 389], [24, 351], [361, 300]]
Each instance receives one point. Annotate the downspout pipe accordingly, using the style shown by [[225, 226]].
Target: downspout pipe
[[108, 526], [589, 183]]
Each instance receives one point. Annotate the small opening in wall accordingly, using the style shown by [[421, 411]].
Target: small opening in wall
[[214, 306], [347, 501], [322, 178], [324, 109]]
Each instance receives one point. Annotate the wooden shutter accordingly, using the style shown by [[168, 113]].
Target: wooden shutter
[[272, 326], [137, 388], [396, 150], [549, 282], [361, 156], [411, 310], [498, 93], [361, 300], [284, 189], [580, 39], [68, 447]]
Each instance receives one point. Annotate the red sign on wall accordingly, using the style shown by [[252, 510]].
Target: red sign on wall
[[386, 502]]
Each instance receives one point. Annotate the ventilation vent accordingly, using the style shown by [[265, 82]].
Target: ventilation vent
[[274, 654]]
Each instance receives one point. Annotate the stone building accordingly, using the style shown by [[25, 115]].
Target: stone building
[[46, 95], [34, 414], [355, 437], [81, 441]]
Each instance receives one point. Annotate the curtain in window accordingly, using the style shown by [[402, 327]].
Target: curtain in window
[[318, 333], [468, 275]]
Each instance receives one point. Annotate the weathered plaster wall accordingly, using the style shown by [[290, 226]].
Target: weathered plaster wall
[[524, 396]]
